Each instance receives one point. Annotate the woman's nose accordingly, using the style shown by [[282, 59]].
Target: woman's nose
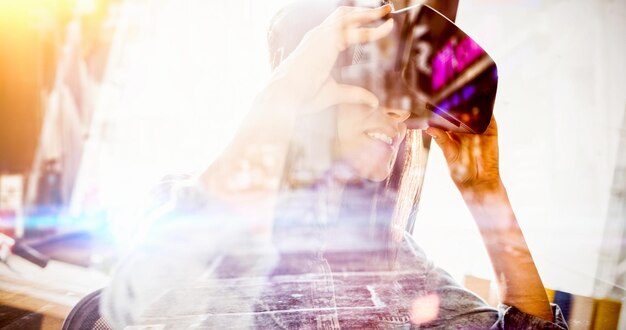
[[398, 115]]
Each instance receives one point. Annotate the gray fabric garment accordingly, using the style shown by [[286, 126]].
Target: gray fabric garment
[[203, 266]]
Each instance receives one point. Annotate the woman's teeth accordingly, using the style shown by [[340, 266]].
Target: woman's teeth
[[381, 137]]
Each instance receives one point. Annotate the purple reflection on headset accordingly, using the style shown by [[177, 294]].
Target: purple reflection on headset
[[468, 92], [452, 59]]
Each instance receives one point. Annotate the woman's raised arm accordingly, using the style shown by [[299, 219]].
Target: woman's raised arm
[[474, 168]]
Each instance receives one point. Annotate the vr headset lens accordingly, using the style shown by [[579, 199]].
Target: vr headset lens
[[429, 66]]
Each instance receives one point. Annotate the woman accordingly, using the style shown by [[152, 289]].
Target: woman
[[339, 254]]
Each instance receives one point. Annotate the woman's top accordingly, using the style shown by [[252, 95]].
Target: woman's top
[[207, 266]]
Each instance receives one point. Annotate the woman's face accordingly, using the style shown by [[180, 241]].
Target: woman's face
[[369, 138]]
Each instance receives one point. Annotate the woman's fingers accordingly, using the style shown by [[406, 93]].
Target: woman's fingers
[[363, 35], [455, 150], [450, 148], [472, 158], [359, 17], [343, 11], [349, 22]]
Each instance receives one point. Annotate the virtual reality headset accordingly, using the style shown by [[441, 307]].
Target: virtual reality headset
[[428, 66]]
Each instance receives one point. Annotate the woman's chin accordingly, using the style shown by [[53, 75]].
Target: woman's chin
[[378, 178], [372, 164], [376, 173]]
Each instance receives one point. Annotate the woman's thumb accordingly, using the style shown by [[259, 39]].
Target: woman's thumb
[[448, 146]]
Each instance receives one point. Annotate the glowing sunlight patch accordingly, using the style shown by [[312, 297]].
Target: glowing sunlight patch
[[424, 309]]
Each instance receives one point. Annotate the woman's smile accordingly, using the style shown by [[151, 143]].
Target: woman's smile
[[380, 136]]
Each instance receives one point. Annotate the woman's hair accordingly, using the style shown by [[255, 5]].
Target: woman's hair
[[313, 150], [312, 153]]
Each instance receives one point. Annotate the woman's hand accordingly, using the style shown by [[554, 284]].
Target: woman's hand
[[472, 158], [306, 71], [301, 81]]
